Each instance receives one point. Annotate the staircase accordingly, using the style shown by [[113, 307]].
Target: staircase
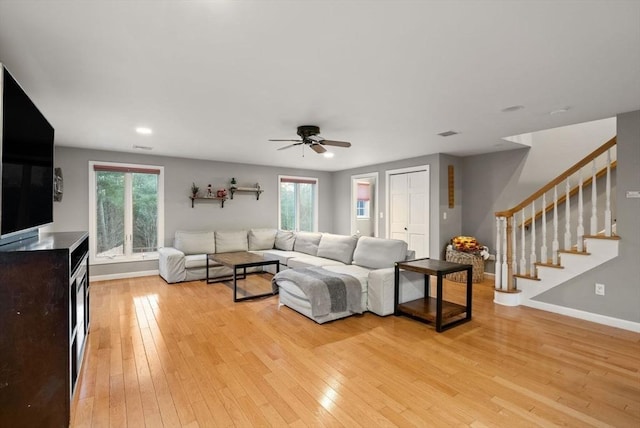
[[530, 257]]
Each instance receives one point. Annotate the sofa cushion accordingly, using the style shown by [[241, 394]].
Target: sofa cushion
[[228, 241], [195, 261], [307, 242], [284, 240], [194, 242], [262, 239], [310, 261], [379, 253], [337, 247], [280, 255]]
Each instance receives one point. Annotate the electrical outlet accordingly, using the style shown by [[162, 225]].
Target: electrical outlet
[[599, 289]]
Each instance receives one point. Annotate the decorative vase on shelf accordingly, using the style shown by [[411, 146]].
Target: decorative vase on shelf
[[233, 183], [194, 190]]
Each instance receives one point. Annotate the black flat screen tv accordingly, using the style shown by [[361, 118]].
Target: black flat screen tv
[[26, 142]]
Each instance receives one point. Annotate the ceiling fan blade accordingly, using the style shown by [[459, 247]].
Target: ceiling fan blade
[[335, 143], [290, 145], [317, 148], [295, 141]]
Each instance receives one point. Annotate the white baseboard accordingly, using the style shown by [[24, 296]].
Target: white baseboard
[[587, 316], [123, 275]]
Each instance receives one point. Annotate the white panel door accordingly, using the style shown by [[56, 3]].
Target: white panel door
[[398, 206], [409, 210], [418, 196]]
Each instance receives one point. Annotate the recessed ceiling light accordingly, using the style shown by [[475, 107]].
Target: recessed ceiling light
[[559, 111], [512, 108], [143, 130], [328, 154]]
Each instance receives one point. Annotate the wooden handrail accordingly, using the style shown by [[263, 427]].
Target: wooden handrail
[[572, 192], [559, 179]]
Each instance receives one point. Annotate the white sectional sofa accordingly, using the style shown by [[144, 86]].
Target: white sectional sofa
[[370, 260]]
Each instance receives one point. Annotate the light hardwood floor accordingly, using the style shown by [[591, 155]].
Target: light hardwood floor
[[186, 355]]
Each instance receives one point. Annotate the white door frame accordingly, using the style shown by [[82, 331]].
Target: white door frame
[[372, 213], [387, 190]]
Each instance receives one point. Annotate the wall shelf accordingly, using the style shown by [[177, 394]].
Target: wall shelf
[[255, 190], [193, 200]]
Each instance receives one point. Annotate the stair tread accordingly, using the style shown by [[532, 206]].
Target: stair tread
[[549, 264], [612, 237], [580, 253], [519, 275], [504, 290]]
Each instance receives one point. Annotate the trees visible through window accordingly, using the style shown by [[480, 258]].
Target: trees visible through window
[[298, 203], [126, 211]]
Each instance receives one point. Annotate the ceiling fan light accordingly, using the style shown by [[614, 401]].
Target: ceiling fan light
[[316, 138]]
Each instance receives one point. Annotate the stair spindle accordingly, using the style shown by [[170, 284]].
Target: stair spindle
[[543, 248], [523, 259], [555, 245], [514, 259], [532, 257], [607, 210], [567, 214], [594, 200], [580, 231], [498, 264]]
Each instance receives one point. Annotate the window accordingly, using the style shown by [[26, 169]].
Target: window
[[298, 207], [362, 209], [363, 201], [126, 211]]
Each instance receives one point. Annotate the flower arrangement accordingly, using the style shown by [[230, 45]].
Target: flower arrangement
[[194, 190], [469, 244]]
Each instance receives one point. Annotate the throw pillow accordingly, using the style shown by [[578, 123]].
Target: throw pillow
[[307, 242], [194, 242], [262, 239], [284, 240], [337, 247], [228, 241]]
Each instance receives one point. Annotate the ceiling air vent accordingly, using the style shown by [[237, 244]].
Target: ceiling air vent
[[448, 133]]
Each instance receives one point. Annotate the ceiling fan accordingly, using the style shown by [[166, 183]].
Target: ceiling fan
[[310, 137]]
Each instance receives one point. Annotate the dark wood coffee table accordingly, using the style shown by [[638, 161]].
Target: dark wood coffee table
[[239, 261]]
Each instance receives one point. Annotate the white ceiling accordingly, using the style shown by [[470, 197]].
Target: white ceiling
[[216, 79]]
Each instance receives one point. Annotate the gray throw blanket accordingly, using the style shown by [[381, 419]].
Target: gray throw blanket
[[328, 292]]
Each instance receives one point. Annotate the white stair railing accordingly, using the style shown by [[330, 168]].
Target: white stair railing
[[509, 230]]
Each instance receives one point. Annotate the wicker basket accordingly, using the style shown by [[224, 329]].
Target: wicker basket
[[469, 259]]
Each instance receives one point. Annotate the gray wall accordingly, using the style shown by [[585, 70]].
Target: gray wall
[[441, 231], [244, 211], [622, 274]]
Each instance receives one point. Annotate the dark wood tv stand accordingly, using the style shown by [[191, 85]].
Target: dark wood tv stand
[[44, 314]]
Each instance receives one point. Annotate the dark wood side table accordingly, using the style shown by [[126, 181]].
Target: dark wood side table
[[239, 260], [429, 309]]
